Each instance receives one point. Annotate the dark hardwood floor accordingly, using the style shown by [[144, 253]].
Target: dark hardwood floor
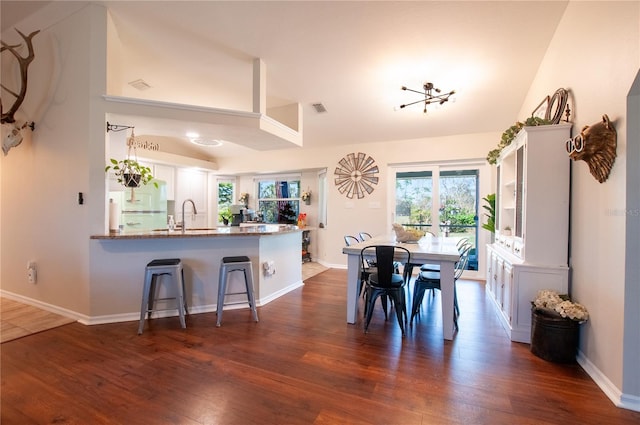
[[301, 364]]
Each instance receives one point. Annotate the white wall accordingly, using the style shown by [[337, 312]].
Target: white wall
[[595, 54], [42, 220]]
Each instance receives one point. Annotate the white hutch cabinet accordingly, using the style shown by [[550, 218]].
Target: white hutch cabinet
[[530, 252]]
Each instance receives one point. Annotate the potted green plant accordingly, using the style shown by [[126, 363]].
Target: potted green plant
[[490, 225], [225, 215], [130, 173]]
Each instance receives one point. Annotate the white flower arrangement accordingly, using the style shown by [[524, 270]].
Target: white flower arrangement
[[306, 195], [561, 304]]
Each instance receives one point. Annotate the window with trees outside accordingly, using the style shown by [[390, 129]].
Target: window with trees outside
[[444, 202], [225, 199], [279, 200]]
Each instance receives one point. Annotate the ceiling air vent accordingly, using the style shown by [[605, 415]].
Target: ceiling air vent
[[319, 107], [140, 84]]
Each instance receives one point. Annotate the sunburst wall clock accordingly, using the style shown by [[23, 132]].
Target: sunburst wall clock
[[356, 175]]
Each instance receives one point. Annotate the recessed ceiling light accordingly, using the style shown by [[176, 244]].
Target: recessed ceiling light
[[192, 135], [207, 142]]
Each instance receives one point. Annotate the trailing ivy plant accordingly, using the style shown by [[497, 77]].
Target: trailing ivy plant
[[130, 173], [510, 134]]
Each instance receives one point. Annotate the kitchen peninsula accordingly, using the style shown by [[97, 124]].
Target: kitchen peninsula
[[118, 262]]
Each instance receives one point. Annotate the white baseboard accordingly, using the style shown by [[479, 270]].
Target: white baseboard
[[278, 294], [44, 306], [135, 316], [617, 397]]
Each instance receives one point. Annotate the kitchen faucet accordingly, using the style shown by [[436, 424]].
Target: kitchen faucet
[[195, 211]]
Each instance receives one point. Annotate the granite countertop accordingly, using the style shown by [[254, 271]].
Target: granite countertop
[[261, 230]]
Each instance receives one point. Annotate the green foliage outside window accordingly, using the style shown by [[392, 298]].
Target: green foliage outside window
[[225, 199], [279, 200]]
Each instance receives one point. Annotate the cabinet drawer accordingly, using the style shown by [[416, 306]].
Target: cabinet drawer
[[518, 248]]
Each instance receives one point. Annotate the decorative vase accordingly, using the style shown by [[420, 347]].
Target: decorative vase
[[307, 201], [553, 338]]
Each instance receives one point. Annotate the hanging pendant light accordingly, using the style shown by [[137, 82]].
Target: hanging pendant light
[[429, 96]]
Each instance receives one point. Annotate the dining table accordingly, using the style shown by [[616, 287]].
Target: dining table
[[428, 250]]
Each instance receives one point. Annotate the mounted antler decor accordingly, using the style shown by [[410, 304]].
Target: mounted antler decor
[[11, 131], [595, 145]]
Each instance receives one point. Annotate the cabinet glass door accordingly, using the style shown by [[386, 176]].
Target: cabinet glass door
[[506, 203], [519, 190], [498, 198]]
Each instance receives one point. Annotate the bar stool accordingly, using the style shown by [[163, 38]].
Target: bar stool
[[164, 267], [235, 264]]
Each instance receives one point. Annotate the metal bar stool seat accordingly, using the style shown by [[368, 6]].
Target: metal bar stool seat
[[156, 268], [235, 264]]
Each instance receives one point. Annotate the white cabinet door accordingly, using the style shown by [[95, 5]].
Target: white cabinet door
[[191, 184], [507, 292], [491, 261], [499, 281], [166, 173]]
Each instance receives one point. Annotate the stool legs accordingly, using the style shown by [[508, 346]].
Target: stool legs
[[149, 293], [182, 305], [248, 280], [222, 289], [225, 270], [147, 302]]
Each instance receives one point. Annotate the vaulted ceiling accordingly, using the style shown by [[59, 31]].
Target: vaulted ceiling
[[353, 57]]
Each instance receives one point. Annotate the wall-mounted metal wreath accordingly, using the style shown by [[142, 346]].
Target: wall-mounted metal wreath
[[356, 175]]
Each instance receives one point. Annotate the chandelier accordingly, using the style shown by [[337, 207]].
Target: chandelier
[[429, 97]]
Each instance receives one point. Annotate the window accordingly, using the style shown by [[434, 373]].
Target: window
[[459, 203], [414, 199], [441, 200], [322, 198], [226, 189], [279, 200]]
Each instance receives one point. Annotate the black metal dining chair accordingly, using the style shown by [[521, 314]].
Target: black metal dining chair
[[461, 245], [385, 282], [364, 236], [350, 240], [431, 280], [367, 268]]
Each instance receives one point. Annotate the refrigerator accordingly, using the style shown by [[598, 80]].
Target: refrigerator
[[143, 208]]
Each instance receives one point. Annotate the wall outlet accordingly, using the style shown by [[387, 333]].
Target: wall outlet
[[31, 272]]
